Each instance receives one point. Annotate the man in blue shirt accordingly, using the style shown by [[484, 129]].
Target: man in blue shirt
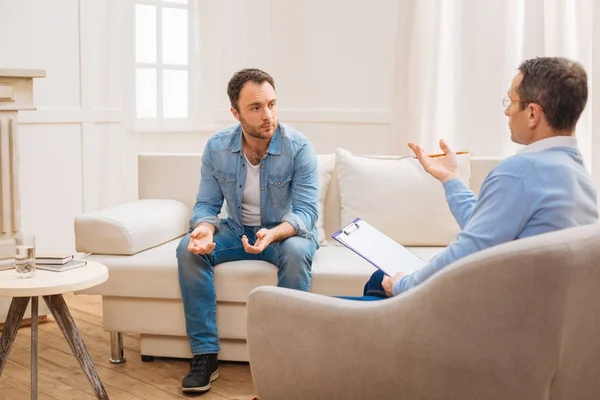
[[543, 188], [267, 173]]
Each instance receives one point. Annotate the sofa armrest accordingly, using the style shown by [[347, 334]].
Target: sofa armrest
[[130, 228]]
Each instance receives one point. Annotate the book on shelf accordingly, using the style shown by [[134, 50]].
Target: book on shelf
[[53, 259], [74, 263]]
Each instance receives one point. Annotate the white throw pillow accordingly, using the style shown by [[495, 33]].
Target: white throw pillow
[[397, 196], [325, 165]]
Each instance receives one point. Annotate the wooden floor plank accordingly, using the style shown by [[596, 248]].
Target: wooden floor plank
[[60, 377], [52, 388], [14, 390]]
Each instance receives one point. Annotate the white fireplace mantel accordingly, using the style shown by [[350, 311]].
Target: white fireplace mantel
[[16, 94]]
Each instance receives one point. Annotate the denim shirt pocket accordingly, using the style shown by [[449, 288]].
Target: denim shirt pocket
[[280, 189], [227, 183]]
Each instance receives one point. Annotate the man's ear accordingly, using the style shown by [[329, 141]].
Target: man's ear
[[534, 114], [235, 113]]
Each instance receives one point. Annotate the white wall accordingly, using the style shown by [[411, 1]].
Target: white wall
[[372, 75], [595, 96], [75, 153], [333, 63]]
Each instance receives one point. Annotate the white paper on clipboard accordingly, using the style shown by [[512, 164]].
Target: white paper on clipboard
[[378, 248]]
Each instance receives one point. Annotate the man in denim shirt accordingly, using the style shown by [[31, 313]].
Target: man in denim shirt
[[267, 173]]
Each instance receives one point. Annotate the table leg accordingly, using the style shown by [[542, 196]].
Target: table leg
[[18, 305], [60, 312], [34, 348]]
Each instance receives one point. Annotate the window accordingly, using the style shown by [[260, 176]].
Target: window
[[162, 30]]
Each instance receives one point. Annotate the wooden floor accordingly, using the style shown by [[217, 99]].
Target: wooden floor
[[60, 377]]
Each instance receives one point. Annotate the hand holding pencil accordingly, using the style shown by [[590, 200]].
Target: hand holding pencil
[[443, 154], [443, 167]]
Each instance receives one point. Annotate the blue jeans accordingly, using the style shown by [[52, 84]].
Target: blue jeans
[[372, 291], [293, 258]]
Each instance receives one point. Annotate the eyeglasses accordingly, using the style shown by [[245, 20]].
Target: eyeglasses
[[507, 101]]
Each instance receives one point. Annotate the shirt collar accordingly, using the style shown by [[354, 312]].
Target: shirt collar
[[554, 141], [274, 144], [237, 140]]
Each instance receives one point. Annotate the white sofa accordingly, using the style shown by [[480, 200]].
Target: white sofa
[[137, 242]]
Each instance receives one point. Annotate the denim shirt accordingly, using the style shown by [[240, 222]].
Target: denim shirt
[[289, 189]]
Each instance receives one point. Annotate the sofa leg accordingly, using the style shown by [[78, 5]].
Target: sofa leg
[[116, 348], [147, 358]]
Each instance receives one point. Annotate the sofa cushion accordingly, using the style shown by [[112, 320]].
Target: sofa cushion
[[326, 165], [397, 196], [153, 274]]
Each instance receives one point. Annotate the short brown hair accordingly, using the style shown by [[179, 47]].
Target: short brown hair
[[237, 81], [558, 85]]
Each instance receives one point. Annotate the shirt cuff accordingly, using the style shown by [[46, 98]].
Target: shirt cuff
[[298, 225], [454, 185], [397, 286], [214, 221]]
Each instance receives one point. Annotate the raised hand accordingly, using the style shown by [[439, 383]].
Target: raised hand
[[264, 237], [442, 168], [201, 240]]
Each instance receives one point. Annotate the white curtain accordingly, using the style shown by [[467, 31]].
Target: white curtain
[[457, 58]]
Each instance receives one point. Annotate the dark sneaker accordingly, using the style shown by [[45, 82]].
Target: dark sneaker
[[204, 369]]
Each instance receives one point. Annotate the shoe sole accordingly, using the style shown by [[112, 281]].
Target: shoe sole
[[206, 388]]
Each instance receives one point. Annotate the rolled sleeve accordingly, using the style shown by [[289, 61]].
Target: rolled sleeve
[[211, 220], [305, 193], [298, 225], [209, 199]]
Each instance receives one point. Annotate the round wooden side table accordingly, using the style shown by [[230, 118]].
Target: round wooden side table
[[50, 286]]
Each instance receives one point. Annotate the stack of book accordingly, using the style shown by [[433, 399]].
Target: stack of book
[[7, 263], [58, 262]]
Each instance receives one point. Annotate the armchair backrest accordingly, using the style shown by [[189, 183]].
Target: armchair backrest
[[527, 311]]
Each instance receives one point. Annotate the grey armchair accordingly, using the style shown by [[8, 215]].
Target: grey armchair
[[517, 321]]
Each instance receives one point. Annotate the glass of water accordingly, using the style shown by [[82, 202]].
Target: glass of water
[[25, 255]]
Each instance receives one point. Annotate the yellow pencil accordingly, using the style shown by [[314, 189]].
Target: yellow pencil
[[442, 155]]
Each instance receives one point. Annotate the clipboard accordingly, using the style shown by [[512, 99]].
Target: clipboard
[[377, 248]]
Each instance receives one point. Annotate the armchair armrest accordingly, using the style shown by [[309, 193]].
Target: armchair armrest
[[130, 228]]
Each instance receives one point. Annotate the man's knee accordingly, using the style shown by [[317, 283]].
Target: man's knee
[[375, 280], [182, 251], [373, 286], [295, 263], [188, 262], [377, 276], [298, 249], [184, 256]]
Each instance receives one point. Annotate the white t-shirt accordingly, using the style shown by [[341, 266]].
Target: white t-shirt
[[251, 196]]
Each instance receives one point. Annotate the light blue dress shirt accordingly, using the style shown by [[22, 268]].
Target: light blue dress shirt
[[544, 187]]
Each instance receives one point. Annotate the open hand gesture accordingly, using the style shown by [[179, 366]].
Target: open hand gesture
[[201, 240], [442, 168], [264, 237]]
